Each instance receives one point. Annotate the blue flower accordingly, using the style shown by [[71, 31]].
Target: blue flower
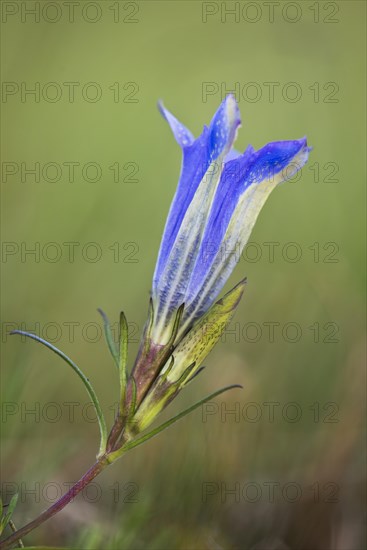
[[219, 196]]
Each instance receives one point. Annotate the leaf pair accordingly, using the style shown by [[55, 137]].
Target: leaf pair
[[119, 354]]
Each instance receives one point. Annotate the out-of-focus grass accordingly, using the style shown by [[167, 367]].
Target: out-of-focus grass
[[170, 53]]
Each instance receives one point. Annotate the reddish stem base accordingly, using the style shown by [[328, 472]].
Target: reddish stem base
[[59, 505]]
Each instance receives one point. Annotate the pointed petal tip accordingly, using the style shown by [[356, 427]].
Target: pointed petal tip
[[308, 147], [182, 135], [303, 151], [232, 108], [284, 158], [163, 111], [232, 114], [224, 126], [161, 108], [303, 141], [303, 145]]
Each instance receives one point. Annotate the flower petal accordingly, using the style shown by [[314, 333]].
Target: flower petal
[[183, 136], [245, 185], [190, 208]]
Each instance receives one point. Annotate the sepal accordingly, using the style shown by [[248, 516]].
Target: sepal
[[201, 339], [152, 357], [185, 360]]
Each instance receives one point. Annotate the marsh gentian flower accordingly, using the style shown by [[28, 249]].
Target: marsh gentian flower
[[219, 196], [218, 199]]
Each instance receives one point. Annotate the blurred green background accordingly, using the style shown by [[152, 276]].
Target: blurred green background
[[292, 451]]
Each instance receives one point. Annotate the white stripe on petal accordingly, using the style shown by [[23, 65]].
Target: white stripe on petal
[[238, 232], [174, 280]]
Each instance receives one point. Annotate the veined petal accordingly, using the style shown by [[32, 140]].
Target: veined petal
[[194, 166], [244, 187], [202, 165], [198, 155]]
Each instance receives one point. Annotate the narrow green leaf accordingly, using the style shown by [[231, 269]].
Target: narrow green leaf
[[133, 399], [9, 512], [123, 359], [186, 374], [168, 369], [159, 429], [12, 505], [109, 337], [92, 394], [176, 324], [150, 317]]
